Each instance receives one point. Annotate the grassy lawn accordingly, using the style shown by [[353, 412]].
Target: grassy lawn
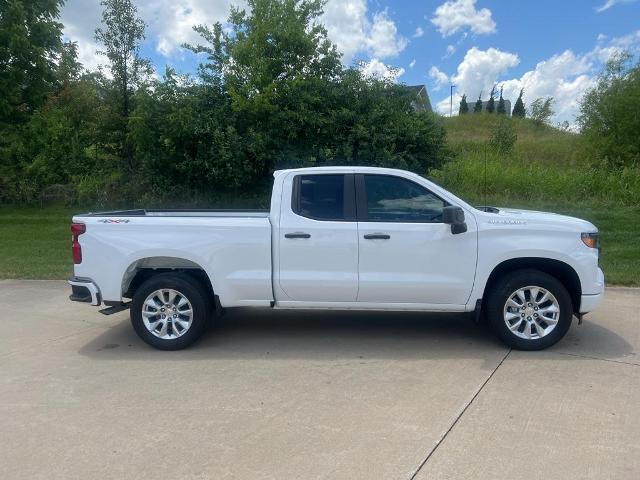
[[35, 242]]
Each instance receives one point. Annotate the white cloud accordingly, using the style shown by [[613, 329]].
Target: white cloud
[[169, 23], [412, 63], [565, 76], [353, 31], [376, 68], [458, 15], [611, 3], [451, 49], [439, 78], [479, 70], [418, 33]]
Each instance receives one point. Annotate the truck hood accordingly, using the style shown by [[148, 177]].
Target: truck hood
[[512, 216]]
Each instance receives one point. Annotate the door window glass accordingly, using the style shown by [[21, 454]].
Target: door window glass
[[321, 197], [395, 199]]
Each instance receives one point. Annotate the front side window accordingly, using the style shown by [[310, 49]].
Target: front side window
[[320, 197], [395, 199]]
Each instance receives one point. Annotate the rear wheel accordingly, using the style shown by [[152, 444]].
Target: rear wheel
[[169, 311], [529, 309]]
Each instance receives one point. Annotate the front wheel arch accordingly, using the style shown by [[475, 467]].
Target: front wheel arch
[[560, 270]]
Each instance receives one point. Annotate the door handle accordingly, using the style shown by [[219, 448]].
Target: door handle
[[377, 236], [297, 235]]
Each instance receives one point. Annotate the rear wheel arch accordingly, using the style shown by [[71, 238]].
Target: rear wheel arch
[[558, 269], [145, 268]]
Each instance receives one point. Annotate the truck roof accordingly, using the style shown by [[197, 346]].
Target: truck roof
[[350, 169]]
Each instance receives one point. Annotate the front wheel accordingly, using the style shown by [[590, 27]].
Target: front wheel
[[529, 309], [169, 311]]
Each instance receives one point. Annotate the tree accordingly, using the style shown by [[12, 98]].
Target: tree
[[29, 45], [69, 68], [464, 107], [275, 42], [501, 107], [518, 108], [542, 111], [609, 118], [477, 108], [120, 36], [491, 104]]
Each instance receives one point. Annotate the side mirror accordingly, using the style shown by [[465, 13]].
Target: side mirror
[[454, 216]]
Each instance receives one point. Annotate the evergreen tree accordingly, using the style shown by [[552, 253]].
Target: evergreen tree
[[464, 107], [491, 104], [501, 107], [518, 108], [478, 106]]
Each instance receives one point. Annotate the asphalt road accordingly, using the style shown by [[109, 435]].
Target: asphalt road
[[286, 395]]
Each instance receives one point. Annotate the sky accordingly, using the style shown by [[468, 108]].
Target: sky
[[548, 48]]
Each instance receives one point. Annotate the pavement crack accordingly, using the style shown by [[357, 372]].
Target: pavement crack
[[453, 424], [590, 357]]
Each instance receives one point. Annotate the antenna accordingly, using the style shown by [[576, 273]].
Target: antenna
[[485, 174]]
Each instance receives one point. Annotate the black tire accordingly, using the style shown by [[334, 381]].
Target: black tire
[[188, 287], [510, 283]]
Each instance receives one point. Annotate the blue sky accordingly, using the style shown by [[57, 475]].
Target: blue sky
[[549, 48]]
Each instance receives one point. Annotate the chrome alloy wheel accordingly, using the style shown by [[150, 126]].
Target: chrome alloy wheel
[[167, 313], [531, 312]]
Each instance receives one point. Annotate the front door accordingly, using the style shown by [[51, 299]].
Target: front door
[[407, 255], [318, 239]]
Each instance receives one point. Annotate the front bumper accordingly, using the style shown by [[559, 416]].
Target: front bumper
[[84, 290], [590, 302]]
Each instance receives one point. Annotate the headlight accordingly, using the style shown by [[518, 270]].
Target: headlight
[[591, 239]]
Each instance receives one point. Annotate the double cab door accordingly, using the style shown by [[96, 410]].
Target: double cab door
[[369, 239]]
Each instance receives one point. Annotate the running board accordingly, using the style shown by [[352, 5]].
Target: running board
[[119, 307]]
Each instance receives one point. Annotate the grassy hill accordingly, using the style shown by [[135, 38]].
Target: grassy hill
[[547, 170]]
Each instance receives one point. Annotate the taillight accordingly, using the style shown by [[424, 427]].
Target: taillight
[[77, 229]]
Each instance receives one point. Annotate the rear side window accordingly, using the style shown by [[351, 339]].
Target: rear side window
[[322, 197], [395, 199]]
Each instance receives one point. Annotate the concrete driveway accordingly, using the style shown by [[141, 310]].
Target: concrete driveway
[[285, 395]]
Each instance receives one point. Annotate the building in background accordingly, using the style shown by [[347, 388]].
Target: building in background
[[422, 102]]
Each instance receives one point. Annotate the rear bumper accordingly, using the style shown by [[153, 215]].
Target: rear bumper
[[589, 303], [84, 290]]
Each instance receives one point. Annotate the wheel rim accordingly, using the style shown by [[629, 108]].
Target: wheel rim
[[531, 312], [167, 313]]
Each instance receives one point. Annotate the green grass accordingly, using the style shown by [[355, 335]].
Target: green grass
[[35, 243]]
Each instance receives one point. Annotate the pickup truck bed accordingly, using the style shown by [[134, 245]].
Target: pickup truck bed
[[180, 213]]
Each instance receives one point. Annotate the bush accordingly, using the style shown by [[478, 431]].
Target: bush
[[609, 115], [503, 138]]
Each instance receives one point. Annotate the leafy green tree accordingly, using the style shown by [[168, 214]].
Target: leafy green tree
[[501, 107], [518, 108], [29, 45], [491, 104], [276, 41], [464, 107], [121, 35], [542, 110], [609, 118], [477, 108]]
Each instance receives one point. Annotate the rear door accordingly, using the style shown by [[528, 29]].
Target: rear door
[[407, 255], [318, 244]]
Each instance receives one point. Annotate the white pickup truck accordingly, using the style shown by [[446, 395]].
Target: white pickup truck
[[341, 238]]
